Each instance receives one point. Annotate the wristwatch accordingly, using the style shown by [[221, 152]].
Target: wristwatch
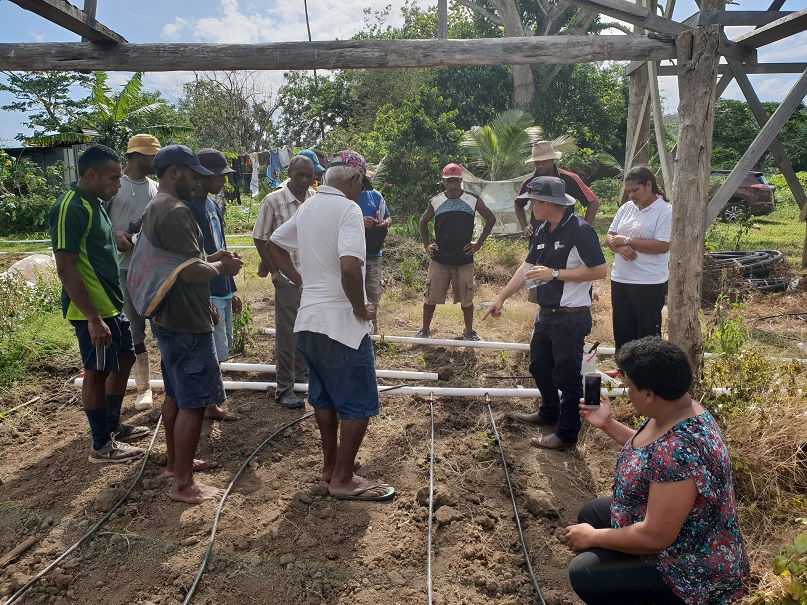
[[625, 241], [555, 273]]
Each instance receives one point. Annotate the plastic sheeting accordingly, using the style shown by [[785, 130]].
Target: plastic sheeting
[[499, 196]]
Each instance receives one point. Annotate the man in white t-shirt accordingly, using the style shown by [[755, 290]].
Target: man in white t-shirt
[[135, 193], [334, 321]]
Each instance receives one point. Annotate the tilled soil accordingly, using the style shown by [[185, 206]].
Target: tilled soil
[[281, 538]]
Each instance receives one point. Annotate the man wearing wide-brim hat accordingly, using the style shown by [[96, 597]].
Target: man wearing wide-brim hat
[[565, 257], [543, 157]]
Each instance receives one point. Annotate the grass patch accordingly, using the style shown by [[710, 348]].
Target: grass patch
[[41, 338]]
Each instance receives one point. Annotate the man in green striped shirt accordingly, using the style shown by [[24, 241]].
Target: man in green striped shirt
[[92, 301]]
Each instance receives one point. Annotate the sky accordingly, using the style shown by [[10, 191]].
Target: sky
[[252, 21]]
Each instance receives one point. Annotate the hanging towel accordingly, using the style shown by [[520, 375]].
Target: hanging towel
[[285, 154], [273, 171], [254, 187]]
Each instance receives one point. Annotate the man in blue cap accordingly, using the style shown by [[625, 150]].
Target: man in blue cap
[[183, 323]]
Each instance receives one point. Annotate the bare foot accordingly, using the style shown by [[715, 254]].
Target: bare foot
[[327, 474], [211, 430], [198, 465], [357, 484], [194, 493], [214, 412]]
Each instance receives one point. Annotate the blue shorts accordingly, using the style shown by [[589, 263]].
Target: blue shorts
[[189, 366], [121, 343], [339, 377]]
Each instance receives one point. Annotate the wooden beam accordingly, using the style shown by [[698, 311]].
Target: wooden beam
[[90, 9], [647, 19], [762, 141], [339, 54], [723, 68], [697, 65], [777, 149], [68, 16], [739, 18], [632, 13], [775, 30]]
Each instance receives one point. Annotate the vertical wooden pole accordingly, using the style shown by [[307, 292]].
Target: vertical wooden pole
[[442, 19], [90, 7], [697, 59], [637, 151]]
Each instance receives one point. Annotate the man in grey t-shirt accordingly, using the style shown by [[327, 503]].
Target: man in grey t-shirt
[[128, 205]]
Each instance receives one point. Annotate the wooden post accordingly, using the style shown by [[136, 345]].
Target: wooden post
[[697, 70], [442, 19], [637, 151], [90, 9]]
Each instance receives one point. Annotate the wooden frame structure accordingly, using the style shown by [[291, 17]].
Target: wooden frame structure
[[696, 44]]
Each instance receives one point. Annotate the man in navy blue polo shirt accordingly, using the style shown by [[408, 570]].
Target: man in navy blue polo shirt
[[564, 258]]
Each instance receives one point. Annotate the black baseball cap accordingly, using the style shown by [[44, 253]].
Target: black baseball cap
[[214, 161], [181, 156]]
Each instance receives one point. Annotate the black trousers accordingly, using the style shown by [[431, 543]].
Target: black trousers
[[636, 310], [606, 577], [556, 352]]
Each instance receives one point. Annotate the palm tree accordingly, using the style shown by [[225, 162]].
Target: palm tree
[[500, 148]]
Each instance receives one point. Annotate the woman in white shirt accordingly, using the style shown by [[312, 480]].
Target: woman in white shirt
[[640, 238]]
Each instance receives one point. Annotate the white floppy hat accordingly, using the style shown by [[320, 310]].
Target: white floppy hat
[[542, 150]]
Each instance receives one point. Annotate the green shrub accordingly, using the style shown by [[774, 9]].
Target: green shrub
[[607, 190], [784, 196]]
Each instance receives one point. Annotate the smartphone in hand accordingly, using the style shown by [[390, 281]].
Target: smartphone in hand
[[592, 383]]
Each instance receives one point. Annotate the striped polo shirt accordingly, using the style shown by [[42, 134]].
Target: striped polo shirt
[[453, 227], [79, 224]]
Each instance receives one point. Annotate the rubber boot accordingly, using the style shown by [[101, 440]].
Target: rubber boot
[[143, 382]]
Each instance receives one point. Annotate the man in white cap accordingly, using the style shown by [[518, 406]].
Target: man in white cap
[[565, 257], [543, 157], [452, 253], [125, 210]]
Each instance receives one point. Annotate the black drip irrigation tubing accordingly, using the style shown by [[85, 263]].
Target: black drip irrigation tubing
[[515, 508], [801, 316], [94, 528], [209, 548]]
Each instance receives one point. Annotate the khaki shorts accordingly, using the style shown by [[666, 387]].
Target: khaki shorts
[[459, 276]]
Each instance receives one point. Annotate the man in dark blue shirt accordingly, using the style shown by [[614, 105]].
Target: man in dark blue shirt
[[222, 287], [565, 257]]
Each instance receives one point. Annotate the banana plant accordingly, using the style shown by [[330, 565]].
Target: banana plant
[[111, 121]]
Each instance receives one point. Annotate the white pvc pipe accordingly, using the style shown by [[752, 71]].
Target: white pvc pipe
[[272, 369], [302, 387], [512, 346]]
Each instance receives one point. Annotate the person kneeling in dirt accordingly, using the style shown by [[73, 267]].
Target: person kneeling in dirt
[[183, 323], [334, 321], [669, 533], [92, 300]]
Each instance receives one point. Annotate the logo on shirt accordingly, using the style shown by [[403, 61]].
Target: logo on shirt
[[558, 246]]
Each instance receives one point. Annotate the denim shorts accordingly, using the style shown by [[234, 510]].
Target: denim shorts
[[189, 366], [223, 331], [121, 343], [339, 377]]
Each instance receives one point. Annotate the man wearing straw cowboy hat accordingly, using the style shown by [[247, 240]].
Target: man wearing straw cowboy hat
[[544, 156]]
